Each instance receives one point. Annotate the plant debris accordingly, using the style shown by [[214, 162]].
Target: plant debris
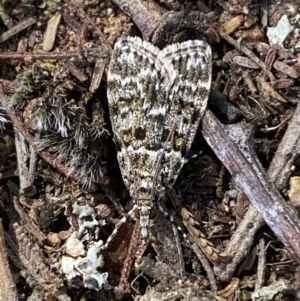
[[61, 190]]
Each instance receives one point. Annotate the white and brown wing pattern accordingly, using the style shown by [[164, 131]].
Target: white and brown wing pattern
[[156, 100]]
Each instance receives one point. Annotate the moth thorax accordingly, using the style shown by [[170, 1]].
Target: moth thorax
[[152, 215]]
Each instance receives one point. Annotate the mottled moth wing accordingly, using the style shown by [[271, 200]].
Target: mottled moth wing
[[156, 100], [187, 101]]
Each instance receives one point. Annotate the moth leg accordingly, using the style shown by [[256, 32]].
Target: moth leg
[[192, 157], [117, 227]]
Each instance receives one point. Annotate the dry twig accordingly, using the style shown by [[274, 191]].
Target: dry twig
[[279, 172], [233, 147], [249, 53], [8, 291]]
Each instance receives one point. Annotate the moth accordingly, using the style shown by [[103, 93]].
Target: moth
[[156, 100]]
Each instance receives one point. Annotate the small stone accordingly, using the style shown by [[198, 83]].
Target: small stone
[[53, 239], [294, 192], [64, 235], [74, 246], [278, 34]]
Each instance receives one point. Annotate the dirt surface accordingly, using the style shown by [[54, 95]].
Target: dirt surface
[[61, 189]]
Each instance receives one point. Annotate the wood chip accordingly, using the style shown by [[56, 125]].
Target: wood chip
[[97, 75], [233, 24], [16, 29], [50, 33], [286, 69], [243, 61], [8, 22], [266, 88], [76, 72]]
